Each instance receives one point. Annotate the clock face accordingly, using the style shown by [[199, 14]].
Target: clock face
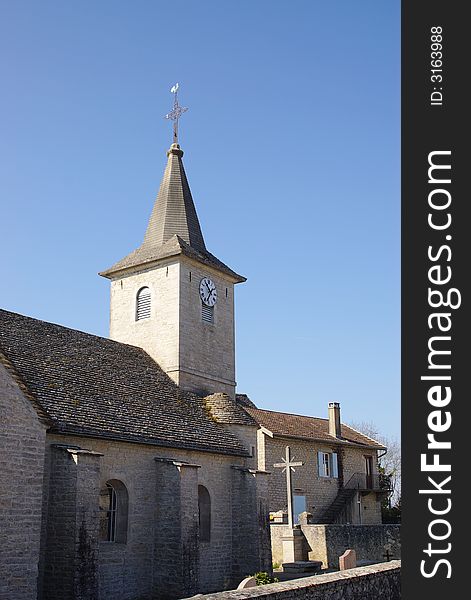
[[208, 292]]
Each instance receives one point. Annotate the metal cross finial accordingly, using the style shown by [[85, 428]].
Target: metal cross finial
[[288, 466], [175, 113]]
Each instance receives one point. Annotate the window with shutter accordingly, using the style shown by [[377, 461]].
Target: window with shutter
[[327, 464], [143, 304]]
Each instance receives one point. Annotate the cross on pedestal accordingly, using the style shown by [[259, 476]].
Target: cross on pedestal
[[288, 466]]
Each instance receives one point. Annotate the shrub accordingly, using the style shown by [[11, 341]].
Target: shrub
[[262, 578]]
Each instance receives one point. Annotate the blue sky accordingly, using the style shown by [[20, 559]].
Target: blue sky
[[292, 152]]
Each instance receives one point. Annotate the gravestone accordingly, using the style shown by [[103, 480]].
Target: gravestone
[[348, 560], [387, 555], [248, 582]]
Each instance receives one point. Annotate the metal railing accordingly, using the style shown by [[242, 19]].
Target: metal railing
[[377, 482]]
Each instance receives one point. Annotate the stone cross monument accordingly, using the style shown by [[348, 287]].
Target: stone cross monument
[[288, 466], [293, 549]]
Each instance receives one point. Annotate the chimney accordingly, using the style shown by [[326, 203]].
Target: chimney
[[334, 420]]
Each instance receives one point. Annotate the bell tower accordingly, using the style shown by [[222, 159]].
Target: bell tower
[[171, 296]]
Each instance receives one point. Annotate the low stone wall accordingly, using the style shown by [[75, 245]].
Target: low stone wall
[[372, 543], [376, 582]]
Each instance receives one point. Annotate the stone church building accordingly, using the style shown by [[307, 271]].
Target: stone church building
[[128, 469]]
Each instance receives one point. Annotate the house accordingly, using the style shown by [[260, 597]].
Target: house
[[339, 481]]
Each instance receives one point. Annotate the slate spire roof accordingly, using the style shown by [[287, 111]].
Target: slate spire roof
[[173, 226], [174, 212]]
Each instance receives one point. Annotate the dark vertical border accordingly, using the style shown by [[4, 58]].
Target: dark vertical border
[[425, 129]]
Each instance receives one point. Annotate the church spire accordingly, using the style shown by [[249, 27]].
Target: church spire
[[174, 210], [173, 226]]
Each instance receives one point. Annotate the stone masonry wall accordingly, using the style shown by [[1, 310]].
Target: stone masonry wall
[[327, 542], [157, 335], [247, 434], [128, 571], [375, 582], [320, 492], [250, 531], [22, 447], [176, 566], [207, 351], [199, 356], [71, 557]]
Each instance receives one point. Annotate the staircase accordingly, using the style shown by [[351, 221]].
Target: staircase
[[344, 497]]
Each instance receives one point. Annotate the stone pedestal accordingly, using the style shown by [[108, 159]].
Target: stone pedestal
[[293, 546]]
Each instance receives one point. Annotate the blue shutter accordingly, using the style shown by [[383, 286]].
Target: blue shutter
[[335, 465], [320, 465]]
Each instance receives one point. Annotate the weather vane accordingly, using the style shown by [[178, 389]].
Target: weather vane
[[175, 113]]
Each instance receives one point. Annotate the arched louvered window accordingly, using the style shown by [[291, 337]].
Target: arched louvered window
[[204, 510], [143, 300]]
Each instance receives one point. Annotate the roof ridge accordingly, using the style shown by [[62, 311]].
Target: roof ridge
[[365, 435], [298, 426], [290, 414]]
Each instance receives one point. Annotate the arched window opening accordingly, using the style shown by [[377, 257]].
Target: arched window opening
[[114, 512], [204, 510], [143, 301]]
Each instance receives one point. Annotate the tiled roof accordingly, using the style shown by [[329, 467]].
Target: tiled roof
[[224, 410], [244, 400], [311, 428], [89, 385], [174, 246]]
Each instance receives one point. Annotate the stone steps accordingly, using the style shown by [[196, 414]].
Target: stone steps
[[344, 496]]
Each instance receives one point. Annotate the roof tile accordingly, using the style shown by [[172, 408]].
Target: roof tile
[[94, 386], [311, 428]]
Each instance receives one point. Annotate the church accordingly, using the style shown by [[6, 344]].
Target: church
[[130, 468], [117, 479]]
